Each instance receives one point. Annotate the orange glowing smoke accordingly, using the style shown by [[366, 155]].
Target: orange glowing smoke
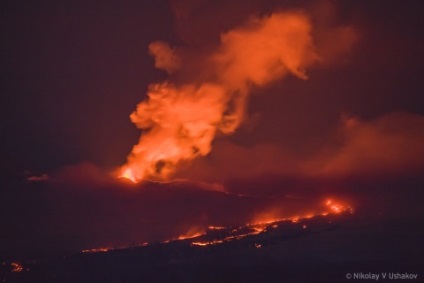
[[180, 121]]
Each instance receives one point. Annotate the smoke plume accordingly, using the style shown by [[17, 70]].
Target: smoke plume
[[180, 120], [165, 57]]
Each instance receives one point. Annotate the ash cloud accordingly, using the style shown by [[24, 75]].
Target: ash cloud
[[180, 119], [389, 145], [165, 57]]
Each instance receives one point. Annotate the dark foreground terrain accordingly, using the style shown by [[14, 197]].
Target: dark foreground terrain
[[321, 249], [46, 227]]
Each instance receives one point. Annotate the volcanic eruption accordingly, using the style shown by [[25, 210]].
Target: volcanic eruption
[[180, 120], [279, 139]]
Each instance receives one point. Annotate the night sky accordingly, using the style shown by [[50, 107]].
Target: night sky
[[73, 72]]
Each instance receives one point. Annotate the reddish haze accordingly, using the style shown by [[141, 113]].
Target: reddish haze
[[391, 144], [236, 129], [180, 121]]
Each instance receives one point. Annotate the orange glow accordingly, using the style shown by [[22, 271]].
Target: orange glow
[[129, 175], [309, 215], [261, 227], [16, 267], [96, 250], [191, 234], [203, 244], [216, 227], [337, 207], [201, 237], [179, 122], [330, 206]]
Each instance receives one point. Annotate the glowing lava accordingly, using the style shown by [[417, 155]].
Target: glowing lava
[[97, 250], [128, 175], [332, 207], [215, 235], [191, 235], [337, 207], [16, 267]]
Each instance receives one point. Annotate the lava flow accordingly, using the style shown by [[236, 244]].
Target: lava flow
[[215, 235], [249, 230]]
